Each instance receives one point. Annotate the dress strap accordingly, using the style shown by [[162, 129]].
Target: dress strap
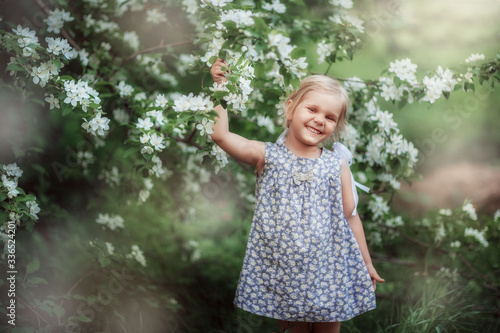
[[346, 154]]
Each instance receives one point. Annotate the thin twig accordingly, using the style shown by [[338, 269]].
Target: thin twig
[[154, 48], [63, 32], [29, 307]]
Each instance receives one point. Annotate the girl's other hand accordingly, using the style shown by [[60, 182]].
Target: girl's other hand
[[218, 75], [374, 276]]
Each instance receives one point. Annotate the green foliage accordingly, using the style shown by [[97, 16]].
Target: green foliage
[[134, 233]]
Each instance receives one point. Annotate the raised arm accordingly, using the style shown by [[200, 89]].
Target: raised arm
[[242, 149], [355, 222]]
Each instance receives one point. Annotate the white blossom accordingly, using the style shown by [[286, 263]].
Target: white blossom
[[474, 57], [469, 209], [110, 248], [205, 127], [157, 141], [11, 186], [56, 19], [161, 101], [13, 170], [242, 18], [445, 212], [34, 209], [145, 123], [59, 46], [496, 216], [404, 70], [154, 16], [275, 5], [324, 50], [478, 235], [347, 4], [455, 244], [124, 89], [132, 39], [138, 255], [113, 222], [121, 116], [378, 206], [389, 91], [349, 20], [193, 103]]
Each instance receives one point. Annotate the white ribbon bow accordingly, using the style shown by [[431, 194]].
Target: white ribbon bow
[[346, 154], [300, 177]]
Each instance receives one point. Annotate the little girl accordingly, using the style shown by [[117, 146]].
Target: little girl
[[307, 263]]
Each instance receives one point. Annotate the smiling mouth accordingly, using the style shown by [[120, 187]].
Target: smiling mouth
[[313, 130]]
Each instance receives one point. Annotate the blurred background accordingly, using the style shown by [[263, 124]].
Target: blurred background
[[193, 267]]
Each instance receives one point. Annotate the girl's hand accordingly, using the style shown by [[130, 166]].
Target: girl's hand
[[374, 276], [218, 75]]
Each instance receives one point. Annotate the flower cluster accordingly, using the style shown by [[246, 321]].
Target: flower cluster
[[56, 19], [60, 46], [470, 210], [282, 44], [478, 235], [80, 93], [342, 3], [146, 192], [154, 16], [27, 41], [435, 85], [199, 103], [112, 222], [98, 125], [274, 6], [43, 73], [137, 255], [10, 179], [242, 18], [474, 57], [378, 206], [151, 141], [404, 70], [324, 50]]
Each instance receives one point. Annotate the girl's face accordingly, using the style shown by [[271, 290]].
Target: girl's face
[[315, 117]]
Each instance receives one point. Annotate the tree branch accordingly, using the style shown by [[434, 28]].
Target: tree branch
[[63, 32], [154, 48]]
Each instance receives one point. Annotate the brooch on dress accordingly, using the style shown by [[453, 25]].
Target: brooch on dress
[[300, 177]]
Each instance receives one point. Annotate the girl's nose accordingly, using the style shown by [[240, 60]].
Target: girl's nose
[[319, 120]]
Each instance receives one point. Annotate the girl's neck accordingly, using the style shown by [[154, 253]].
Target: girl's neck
[[301, 150]]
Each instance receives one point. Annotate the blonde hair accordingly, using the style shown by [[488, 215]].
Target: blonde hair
[[318, 82]]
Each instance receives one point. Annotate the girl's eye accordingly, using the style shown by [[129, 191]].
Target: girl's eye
[[330, 118], [312, 110]]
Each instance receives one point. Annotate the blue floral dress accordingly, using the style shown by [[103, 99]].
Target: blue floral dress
[[302, 262]]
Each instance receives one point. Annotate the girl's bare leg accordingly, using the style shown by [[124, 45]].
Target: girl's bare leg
[[326, 327], [294, 327]]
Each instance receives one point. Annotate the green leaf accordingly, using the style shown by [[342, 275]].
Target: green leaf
[[59, 311], [36, 281], [66, 109], [33, 266], [15, 67], [298, 52], [260, 25], [83, 319]]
